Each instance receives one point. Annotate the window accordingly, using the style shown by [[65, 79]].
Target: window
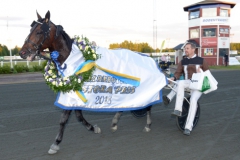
[[223, 51], [208, 52], [224, 13], [194, 33], [209, 12], [194, 14], [224, 30], [209, 32]]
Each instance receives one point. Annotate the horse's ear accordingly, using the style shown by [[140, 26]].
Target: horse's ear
[[47, 17], [38, 16]]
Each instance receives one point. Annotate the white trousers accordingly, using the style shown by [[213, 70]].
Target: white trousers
[[195, 95], [172, 94]]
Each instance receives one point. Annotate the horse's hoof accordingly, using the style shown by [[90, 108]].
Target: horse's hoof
[[53, 149], [114, 128], [96, 129], [146, 129]]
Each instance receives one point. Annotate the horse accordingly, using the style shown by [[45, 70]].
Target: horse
[[44, 34]]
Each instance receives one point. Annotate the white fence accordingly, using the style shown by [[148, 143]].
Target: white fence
[[163, 53], [27, 63], [13, 58]]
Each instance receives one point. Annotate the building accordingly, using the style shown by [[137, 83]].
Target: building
[[209, 28]]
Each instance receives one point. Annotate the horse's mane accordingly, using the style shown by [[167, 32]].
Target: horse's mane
[[67, 39]]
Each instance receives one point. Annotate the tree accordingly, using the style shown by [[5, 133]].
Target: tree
[[235, 46], [5, 51], [16, 50], [1, 48], [138, 47]]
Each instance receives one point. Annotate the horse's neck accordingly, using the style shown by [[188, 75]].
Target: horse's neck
[[60, 45]]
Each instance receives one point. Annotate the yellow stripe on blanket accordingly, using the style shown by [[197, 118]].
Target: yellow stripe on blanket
[[118, 74], [81, 96], [85, 68], [92, 64]]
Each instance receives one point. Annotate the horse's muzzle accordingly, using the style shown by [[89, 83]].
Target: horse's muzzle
[[27, 55], [23, 54]]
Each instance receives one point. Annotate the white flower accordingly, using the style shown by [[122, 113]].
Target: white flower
[[65, 78], [79, 80], [46, 77], [54, 76], [88, 52], [54, 83], [60, 84], [52, 67], [50, 72], [94, 56], [86, 48]]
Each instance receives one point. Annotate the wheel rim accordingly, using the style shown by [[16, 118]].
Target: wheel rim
[[182, 120]]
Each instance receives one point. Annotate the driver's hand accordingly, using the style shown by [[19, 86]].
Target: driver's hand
[[172, 78]]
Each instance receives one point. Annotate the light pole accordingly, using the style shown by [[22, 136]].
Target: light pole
[[154, 26], [10, 53], [9, 46], [154, 35]]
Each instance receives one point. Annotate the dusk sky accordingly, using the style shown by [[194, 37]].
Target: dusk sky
[[106, 21]]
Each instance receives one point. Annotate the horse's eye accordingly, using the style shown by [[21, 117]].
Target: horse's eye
[[39, 32]]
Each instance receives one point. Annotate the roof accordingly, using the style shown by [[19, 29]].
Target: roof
[[208, 2], [178, 47]]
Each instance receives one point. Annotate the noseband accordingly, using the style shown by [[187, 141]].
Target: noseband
[[45, 31]]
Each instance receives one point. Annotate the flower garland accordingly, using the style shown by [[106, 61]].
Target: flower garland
[[75, 82]]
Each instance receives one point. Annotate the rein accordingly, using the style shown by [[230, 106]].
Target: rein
[[46, 33]]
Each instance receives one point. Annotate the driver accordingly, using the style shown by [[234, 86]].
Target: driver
[[188, 66]]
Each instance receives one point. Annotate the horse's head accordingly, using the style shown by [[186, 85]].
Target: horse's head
[[40, 37]]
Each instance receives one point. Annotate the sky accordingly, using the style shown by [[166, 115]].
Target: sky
[[106, 21]]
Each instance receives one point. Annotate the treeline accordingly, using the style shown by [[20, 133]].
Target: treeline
[[4, 51], [138, 47], [235, 46]]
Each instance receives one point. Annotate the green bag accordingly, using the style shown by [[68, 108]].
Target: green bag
[[206, 84]]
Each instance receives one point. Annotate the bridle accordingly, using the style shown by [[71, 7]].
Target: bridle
[[45, 31]]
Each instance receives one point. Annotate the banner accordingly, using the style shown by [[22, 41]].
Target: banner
[[106, 92], [163, 42], [209, 42], [223, 42]]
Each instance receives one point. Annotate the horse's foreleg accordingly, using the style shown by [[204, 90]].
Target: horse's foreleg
[[147, 128], [115, 121], [64, 118], [89, 127]]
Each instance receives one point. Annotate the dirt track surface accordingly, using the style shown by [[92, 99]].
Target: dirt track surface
[[29, 123]]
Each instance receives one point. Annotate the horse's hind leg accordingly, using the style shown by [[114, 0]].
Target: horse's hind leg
[[147, 128], [89, 127], [64, 118], [115, 121]]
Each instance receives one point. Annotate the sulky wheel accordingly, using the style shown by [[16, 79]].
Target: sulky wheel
[[182, 120]]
